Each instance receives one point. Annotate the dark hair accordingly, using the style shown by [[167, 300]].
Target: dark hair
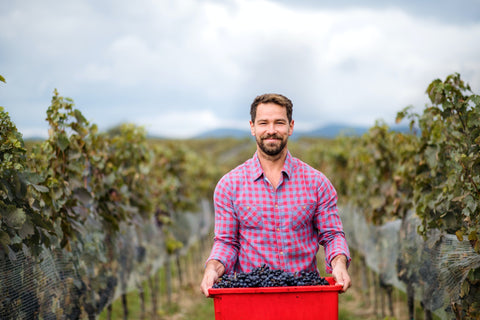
[[271, 98]]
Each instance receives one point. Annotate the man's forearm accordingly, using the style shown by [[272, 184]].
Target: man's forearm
[[216, 266], [342, 259]]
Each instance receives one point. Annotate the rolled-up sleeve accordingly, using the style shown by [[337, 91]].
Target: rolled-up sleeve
[[226, 244], [329, 225]]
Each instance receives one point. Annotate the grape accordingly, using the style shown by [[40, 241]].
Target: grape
[[265, 277]]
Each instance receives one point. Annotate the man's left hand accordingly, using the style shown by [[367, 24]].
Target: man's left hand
[[340, 273]]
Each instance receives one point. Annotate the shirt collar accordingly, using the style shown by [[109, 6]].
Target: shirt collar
[[257, 170]]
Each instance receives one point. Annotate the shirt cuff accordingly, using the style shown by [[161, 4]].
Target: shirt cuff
[[328, 260], [227, 256]]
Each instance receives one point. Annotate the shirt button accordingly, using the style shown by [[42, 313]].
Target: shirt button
[[278, 229], [276, 206], [281, 252]]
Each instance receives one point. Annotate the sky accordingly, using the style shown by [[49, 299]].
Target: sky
[[182, 67]]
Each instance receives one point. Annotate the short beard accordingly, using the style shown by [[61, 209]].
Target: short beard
[[271, 150]]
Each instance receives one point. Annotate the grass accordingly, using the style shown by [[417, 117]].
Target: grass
[[188, 303], [202, 311], [344, 313], [135, 308]]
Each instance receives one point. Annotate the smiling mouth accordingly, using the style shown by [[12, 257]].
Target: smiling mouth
[[271, 138], [271, 141]]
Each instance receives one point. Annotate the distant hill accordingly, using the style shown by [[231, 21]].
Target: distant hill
[[328, 131], [332, 130]]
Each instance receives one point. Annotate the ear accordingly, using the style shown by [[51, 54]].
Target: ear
[[290, 129], [252, 128]]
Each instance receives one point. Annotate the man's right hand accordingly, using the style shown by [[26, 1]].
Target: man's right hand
[[213, 270]]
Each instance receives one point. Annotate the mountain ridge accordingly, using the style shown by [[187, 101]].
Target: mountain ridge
[[327, 131]]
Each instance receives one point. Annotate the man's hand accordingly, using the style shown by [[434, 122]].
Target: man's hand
[[340, 273], [213, 270]]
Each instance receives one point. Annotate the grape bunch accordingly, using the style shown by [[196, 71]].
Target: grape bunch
[[265, 277]]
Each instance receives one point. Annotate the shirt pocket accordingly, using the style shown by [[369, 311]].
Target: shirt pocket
[[250, 217], [301, 215]]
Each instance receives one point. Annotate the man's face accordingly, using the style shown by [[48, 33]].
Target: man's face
[[271, 128]]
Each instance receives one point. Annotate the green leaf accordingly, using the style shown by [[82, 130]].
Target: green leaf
[[16, 239], [26, 250], [4, 238], [78, 284], [20, 187], [459, 235], [472, 235], [475, 99], [11, 254], [40, 188], [7, 188], [31, 177], [401, 115], [2, 79], [79, 116], [83, 195], [62, 141], [15, 218], [465, 289], [76, 166], [471, 203], [26, 230]]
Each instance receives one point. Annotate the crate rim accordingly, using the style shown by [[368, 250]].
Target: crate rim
[[290, 289]]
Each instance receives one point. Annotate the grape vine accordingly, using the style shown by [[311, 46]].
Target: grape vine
[[78, 177]]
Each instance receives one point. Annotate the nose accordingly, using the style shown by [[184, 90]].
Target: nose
[[271, 129]]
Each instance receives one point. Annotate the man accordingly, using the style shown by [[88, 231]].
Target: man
[[274, 209]]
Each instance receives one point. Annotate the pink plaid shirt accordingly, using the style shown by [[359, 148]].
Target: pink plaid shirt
[[283, 228]]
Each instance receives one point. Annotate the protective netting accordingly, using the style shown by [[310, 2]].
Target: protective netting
[[80, 283], [436, 267]]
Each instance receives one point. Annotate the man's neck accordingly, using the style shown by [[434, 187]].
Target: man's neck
[[272, 163]]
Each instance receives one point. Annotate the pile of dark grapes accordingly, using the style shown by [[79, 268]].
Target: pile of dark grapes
[[265, 277]]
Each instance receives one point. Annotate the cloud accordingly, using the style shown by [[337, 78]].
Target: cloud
[[207, 60], [188, 124], [444, 11]]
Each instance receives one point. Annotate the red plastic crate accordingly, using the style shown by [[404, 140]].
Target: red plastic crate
[[277, 303]]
